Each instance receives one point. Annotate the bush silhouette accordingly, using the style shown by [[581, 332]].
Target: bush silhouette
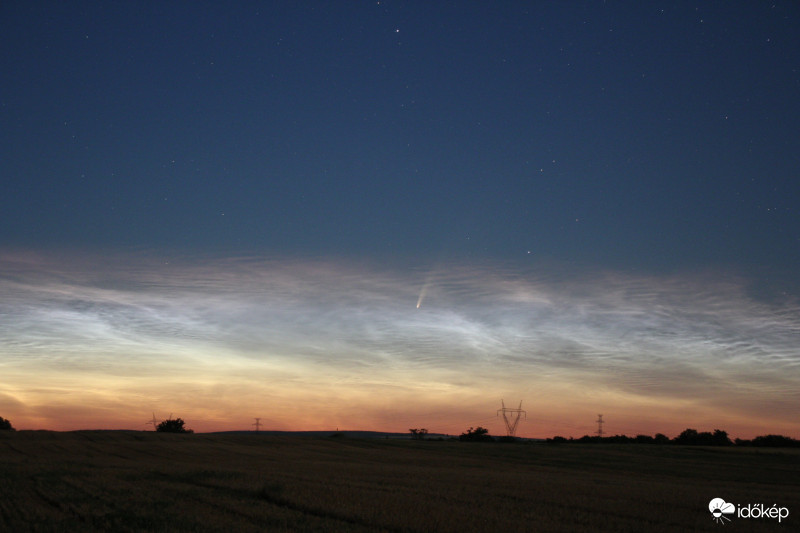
[[173, 426], [6, 424], [478, 434]]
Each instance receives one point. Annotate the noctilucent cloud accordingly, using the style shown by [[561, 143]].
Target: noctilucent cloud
[[384, 215]]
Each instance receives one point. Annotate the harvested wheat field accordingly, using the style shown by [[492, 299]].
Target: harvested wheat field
[[146, 481]]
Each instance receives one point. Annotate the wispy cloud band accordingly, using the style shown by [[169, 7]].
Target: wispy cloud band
[[484, 327]]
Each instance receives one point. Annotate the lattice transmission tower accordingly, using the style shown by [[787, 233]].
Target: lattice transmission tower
[[511, 417], [154, 422], [600, 426], [257, 424]]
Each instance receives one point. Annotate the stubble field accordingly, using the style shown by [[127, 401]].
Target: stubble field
[[146, 481]]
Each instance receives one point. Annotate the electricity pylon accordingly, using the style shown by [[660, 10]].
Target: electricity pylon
[[155, 422], [257, 424], [511, 424], [600, 426]]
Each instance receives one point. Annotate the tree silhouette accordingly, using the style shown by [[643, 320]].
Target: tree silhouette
[[704, 438], [478, 434], [418, 434], [173, 426], [774, 440], [6, 424], [720, 438], [660, 438]]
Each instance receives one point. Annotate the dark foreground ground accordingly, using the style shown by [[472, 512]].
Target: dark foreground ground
[[145, 481]]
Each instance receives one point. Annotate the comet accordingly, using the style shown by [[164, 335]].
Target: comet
[[422, 293]]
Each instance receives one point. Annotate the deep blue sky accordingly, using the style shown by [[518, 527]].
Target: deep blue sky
[[628, 134]]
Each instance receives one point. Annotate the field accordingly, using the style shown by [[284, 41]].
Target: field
[[146, 481]]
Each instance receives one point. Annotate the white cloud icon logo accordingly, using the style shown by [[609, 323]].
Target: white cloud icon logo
[[719, 508]]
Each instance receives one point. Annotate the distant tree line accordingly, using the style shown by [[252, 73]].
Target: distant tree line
[[774, 441], [689, 437], [6, 425]]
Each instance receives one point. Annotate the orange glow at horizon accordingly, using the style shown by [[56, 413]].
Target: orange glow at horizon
[[552, 409]]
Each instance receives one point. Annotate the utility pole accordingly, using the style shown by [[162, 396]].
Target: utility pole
[[257, 424], [600, 426]]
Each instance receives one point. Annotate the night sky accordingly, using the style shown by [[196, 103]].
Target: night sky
[[383, 215]]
